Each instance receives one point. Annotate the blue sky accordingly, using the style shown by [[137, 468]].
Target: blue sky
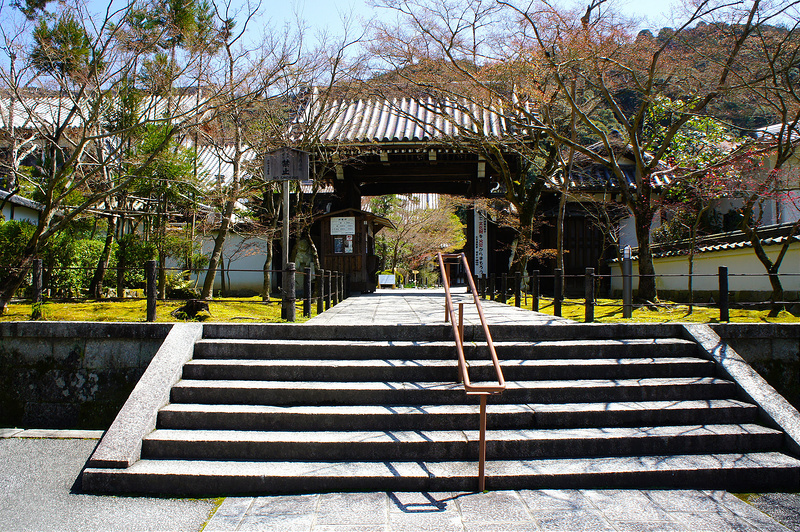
[[326, 13]]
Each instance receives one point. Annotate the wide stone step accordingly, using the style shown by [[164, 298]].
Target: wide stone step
[[420, 370], [729, 471], [405, 393], [316, 349], [457, 445], [453, 417], [441, 332]]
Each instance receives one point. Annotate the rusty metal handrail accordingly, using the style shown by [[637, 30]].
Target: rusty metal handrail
[[458, 329]]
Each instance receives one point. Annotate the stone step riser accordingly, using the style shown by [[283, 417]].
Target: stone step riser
[[457, 450], [441, 332], [412, 396], [412, 373], [520, 420], [322, 351], [742, 479]]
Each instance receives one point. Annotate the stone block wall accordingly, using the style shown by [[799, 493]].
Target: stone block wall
[[772, 349], [79, 374], [71, 374]]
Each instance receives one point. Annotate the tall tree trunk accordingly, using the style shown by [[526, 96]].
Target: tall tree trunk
[[216, 254], [562, 207], [770, 266], [13, 164], [162, 255], [121, 265], [96, 286], [13, 281], [223, 286], [693, 243], [647, 280]]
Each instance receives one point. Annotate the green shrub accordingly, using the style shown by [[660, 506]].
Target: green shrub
[[134, 252], [13, 237], [181, 286]]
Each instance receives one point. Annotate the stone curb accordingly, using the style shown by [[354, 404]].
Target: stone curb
[[771, 403], [122, 444], [58, 434]]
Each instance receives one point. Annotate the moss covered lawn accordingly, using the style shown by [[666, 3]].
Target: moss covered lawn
[[227, 310], [610, 311]]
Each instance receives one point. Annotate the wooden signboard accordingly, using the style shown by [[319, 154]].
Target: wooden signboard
[[286, 164]]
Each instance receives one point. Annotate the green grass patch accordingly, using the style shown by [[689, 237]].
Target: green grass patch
[[225, 310], [610, 311]]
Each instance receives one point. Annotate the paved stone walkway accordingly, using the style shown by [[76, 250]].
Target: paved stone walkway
[[423, 306], [38, 491], [550, 510]]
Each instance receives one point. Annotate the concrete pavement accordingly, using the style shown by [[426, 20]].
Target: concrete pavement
[[525, 510], [40, 491]]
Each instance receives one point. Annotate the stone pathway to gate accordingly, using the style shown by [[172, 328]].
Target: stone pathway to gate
[[423, 306]]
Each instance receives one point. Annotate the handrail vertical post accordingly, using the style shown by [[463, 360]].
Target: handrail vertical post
[[319, 287], [589, 295], [151, 288], [724, 310], [288, 298], [461, 321], [492, 284], [446, 281], [558, 290], [627, 284], [36, 307], [482, 448], [518, 289], [328, 274], [307, 292], [335, 287], [535, 290]]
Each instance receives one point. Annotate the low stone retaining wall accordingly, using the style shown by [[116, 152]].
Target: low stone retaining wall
[[772, 349], [71, 374], [79, 374]]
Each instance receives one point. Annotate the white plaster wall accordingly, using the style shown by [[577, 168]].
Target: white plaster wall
[[627, 230], [239, 254], [790, 207], [20, 213], [627, 233], [706, 269]]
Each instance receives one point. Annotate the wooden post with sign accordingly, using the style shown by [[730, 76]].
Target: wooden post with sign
[[286, 164]]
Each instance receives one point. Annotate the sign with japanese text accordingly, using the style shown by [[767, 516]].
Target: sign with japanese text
[[343, 225], [286, 164], [481, 246]]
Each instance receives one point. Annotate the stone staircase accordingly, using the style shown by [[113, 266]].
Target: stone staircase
[[264, 409]]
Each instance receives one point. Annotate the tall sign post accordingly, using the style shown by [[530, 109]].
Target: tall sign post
[[481, 244], [286, 164]]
